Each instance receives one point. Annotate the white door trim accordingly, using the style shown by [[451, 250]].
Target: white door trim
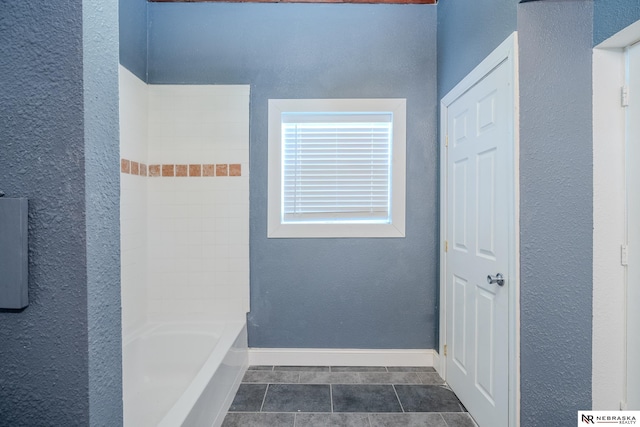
[[506, 52], [609, 216]]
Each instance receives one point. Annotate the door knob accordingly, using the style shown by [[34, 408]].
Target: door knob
[[498, 278]]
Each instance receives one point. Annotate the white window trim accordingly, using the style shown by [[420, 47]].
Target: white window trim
[[275, 229]]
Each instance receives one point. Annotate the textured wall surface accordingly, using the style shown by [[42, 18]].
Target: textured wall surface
[[44, 368], [367, 293], [133, 36], [611, 16], [61, 355], [468, 31], [556, 210], [102, 198]]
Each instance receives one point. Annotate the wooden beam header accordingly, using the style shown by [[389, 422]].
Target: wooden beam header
[[301, 1]]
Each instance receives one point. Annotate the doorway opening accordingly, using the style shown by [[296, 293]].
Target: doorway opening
[[479, 276], [616, 263]]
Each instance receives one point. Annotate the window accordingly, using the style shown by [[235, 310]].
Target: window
[[336, 168]]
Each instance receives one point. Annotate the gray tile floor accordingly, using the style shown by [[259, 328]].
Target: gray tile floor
[[295, 396]]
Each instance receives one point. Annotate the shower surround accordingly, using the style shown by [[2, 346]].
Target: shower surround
[[184, 213], [185, 201]]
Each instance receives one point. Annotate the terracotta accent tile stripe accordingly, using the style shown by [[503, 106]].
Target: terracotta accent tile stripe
[[133, 168], [222, 170], [154, 170], [235, 170], [181, 170], [168, 170], [191, 170], [208, 170], [195, 170]]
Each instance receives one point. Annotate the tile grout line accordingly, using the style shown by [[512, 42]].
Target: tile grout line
[[416, 376], [264, 398], [369, 416], [331, 396], [398, 397], [445, 421]]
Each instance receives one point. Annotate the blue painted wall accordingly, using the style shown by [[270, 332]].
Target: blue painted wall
[[43, 374], [102, 209], [317, 293], [133, 36], [556, 185], [468, 31], [611, 16], [556, 210], [49, 356]]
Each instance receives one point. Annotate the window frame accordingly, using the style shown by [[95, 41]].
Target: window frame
[[396, 227]]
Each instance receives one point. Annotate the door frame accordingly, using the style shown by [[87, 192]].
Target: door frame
[[609, 364], [507, 51]]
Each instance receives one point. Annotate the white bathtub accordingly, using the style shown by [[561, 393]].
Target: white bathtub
[[182, 374]]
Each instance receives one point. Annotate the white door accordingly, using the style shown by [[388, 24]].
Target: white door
[[479, 232], [633, 221]]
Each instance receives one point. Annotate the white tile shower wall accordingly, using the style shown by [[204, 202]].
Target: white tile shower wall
[[190, 123], [133, 218], [198, 228], [133, 116], [133, 201]]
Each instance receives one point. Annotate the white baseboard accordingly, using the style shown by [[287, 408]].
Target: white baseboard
[[436, 362], [341, 357]]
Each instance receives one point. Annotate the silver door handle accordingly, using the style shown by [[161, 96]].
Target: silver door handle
[[498, 278]]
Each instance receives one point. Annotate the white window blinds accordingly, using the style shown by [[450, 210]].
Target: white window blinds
[[336, 167]]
